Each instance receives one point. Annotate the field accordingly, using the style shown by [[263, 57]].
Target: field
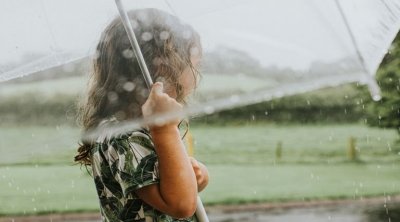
[[248, 161], [37, 174]]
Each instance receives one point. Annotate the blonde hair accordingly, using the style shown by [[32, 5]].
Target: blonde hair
[[116, 86]]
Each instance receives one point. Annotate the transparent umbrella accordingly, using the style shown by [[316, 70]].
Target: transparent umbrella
[[252, 51], [273, 48]]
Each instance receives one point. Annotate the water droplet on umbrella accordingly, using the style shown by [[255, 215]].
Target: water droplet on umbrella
[[157, 61], [164, 35], [112, 96], [129, 86], [146, 36], [127, 53], [134, 23]]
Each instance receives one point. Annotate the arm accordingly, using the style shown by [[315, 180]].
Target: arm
[[176, 194]]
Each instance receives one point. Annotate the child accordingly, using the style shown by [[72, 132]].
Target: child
[[144, 174]]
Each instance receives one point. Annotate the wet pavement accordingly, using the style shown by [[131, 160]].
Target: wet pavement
[[375, 211]]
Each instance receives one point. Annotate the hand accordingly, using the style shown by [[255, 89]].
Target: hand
[[160, 103], [201, 173]]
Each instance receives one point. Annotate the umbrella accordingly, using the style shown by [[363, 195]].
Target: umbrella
[[274, 48]]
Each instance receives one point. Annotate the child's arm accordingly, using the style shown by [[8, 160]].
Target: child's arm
[[176, 194]]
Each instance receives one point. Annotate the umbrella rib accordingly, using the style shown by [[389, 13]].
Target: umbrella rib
[[372, 84], [351, 34]]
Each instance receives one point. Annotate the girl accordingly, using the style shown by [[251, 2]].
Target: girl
[[144, 174]]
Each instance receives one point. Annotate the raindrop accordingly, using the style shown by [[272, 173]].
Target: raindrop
[[112, 96], [266, 113], [164, 35], [157, 61], [134, 23], [146, 36], [127, 53], [129, 86], [376, 97]]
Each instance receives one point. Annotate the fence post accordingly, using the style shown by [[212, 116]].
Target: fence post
[[278, 151], [351, 150]]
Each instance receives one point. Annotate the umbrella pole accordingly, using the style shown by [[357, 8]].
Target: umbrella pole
[[200, 211], [134, 43]]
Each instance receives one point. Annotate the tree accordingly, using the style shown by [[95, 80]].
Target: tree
[[386, 112]]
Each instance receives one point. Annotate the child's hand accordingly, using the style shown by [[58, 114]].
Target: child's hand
[[201, 173], [160, 103]]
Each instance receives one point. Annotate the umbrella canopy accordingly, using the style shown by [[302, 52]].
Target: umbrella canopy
[[253, 51]]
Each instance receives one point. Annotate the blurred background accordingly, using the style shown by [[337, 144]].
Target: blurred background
[[331, 154], [330, 144]]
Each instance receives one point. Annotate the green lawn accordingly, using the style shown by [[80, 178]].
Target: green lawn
[[248, 144], [50, 188], [37, 174]]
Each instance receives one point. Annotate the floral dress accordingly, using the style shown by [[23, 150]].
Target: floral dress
[[121, 165]]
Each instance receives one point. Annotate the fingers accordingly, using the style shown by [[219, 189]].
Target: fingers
[[157, 88]]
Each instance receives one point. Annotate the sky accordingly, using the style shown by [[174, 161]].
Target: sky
[[283, 33]]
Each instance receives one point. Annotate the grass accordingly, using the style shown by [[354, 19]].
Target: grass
[[68, 86], [38, 144], [37, 174], [241, 144], [256, 143], [65, 188]]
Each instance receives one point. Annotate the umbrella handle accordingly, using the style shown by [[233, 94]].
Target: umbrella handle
[[200, 211], [134, 43]]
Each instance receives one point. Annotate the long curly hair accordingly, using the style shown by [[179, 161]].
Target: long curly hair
[[116, 85]]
